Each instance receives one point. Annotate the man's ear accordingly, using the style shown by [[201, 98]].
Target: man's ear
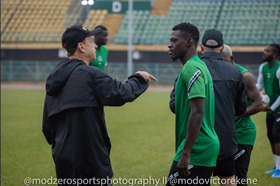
[[81, 47], [189, 41], [201, 47], [274, 55], [232, 58], [221, 51]]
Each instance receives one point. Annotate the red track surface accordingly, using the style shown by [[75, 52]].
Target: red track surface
[[42, 86]]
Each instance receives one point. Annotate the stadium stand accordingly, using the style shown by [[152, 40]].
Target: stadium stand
[[35, 21], [248, 22], [161, 7], [95, 17], [243, 22], [112, 23]]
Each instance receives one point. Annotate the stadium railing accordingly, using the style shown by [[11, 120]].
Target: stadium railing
[[16, 70]]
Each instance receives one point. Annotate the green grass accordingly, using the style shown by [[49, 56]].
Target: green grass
[[142, 135]]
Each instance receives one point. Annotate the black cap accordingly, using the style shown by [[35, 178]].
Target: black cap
[[75, 34], [214, 35]]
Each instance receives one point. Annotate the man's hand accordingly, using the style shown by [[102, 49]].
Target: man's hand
[[183, 165], [147, 76], [266, 108]]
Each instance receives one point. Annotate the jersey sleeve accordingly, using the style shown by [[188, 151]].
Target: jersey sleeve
[[195, 82], [260, 79]]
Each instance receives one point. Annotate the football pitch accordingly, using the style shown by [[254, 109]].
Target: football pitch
[[142, 135]]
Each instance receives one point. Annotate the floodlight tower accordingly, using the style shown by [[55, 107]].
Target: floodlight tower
[[88, 3]]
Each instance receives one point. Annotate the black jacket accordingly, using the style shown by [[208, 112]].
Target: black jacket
[[230, 100], [73, 121]]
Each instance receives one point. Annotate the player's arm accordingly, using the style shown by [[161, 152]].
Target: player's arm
[[195, 121], [196, 95], [260, 79], [172, 98], [277, 102], [241, 98], [46, 127], [111, 92], [253, 95]]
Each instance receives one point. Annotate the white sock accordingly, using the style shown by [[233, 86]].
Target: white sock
[[277, 162]]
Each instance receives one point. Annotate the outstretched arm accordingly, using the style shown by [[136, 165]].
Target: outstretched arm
[[253, 95], [111, 92]]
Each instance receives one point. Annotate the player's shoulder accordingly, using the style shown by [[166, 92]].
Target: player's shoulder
[[195, 66], [242, 69], [194, 63], [104, 47], [265, 64]]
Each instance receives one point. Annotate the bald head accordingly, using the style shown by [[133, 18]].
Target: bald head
[[227, 53]]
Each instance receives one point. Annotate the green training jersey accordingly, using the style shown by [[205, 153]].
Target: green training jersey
[[245, 131], [271, 82], [101, 58], [195, 81]]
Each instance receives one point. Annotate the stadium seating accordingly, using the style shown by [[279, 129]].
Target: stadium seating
[[35, 21], [112, 23], [157, 29], [250, 22], [94, 18], [243, 22]]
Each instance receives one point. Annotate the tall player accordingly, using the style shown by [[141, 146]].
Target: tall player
[[101, 51], [269, 79], [197, 144], [245, 131]]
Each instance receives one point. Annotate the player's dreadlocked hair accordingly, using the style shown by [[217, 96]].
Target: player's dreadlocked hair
[[189, 31], [276, 48]]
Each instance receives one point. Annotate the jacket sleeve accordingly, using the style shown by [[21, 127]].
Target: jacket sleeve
[[46, 125], [111, 92], [172, 98], [241, 99]]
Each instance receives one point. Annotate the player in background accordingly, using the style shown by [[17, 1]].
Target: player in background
[[269, 79], [101, 50], [230, 101], [245, 131], [197, 144]]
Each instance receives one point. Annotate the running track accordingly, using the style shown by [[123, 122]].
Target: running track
[[42, 86]]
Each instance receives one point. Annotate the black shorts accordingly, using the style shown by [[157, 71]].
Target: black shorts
[[225, 167], [273, 127], [242, 160], [200, 176]]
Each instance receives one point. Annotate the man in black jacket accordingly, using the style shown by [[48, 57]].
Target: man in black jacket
[[73, 121], [230, 100]]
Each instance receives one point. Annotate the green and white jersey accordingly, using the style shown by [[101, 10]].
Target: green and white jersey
[[195, 81], [101, 58], [245, 131], [269, 79]]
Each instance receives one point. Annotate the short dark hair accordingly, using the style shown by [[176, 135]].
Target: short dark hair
[[189, 31], [102, 27], [276, 48]]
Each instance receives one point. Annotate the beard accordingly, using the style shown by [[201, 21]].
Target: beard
[[269, 58], [174, 59]]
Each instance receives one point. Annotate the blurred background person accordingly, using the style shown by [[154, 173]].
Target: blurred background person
[[101, 40], [245, 131]]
